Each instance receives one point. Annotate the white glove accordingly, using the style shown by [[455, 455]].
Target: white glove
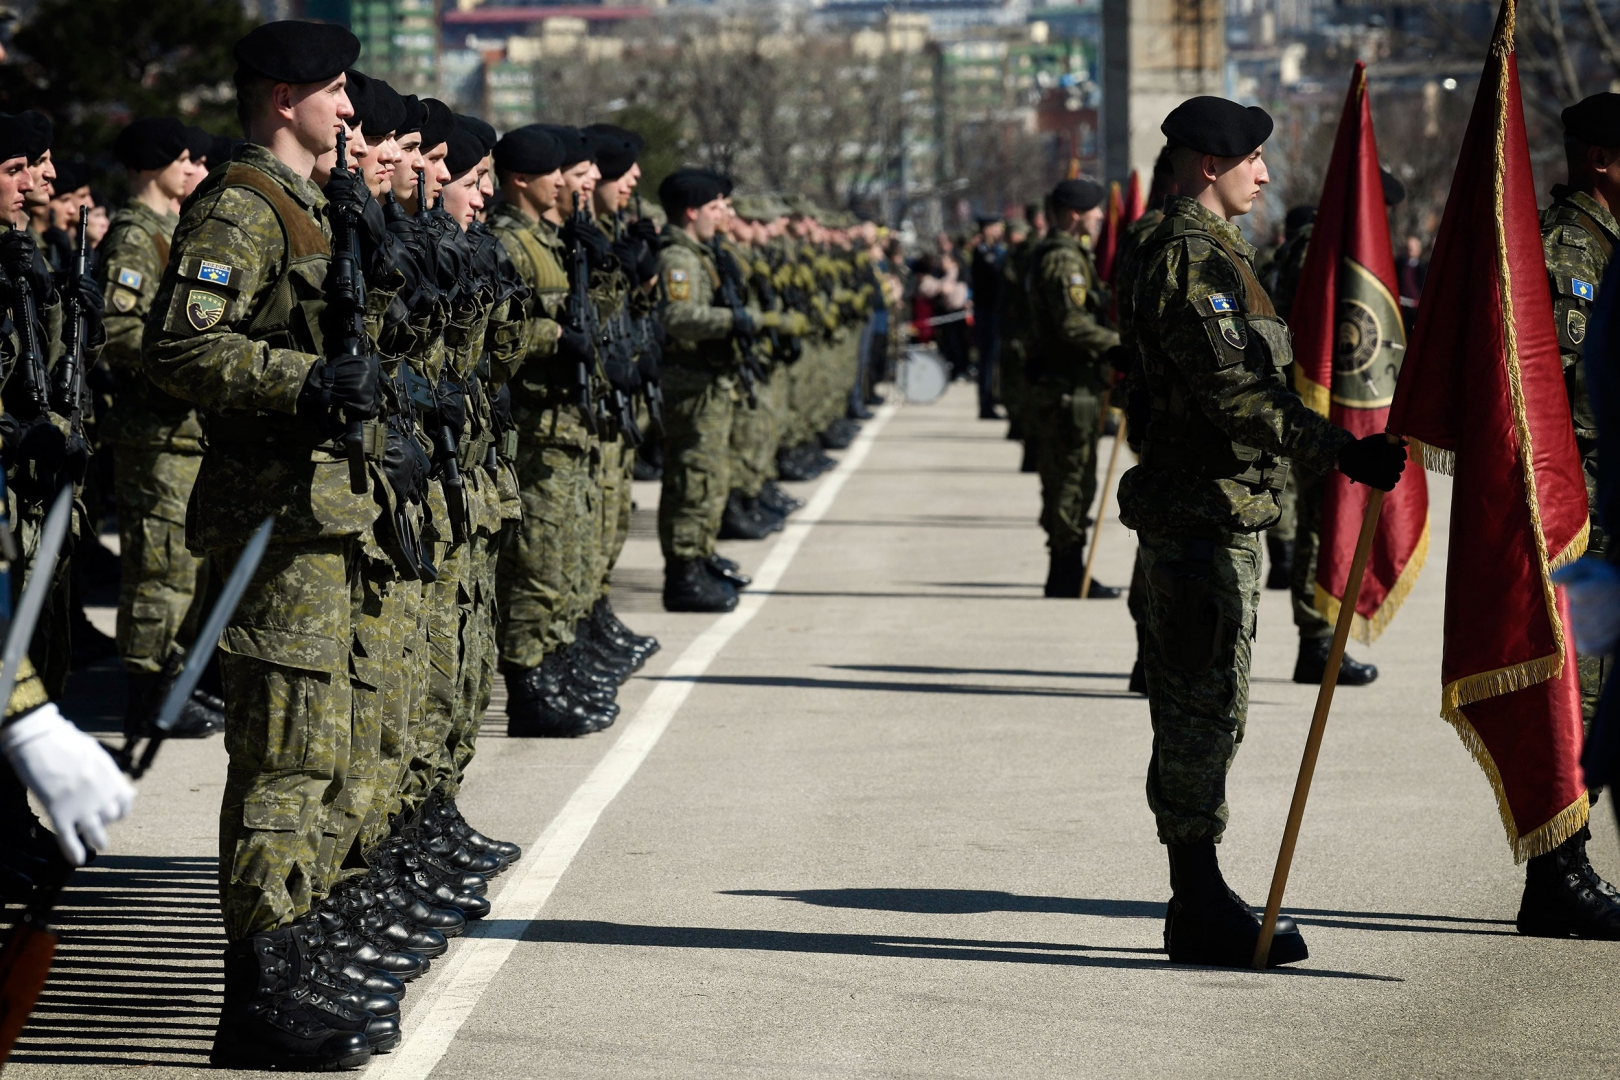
[[1594, 604], [70, 773]]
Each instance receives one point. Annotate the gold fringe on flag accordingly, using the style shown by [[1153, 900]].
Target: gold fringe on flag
[[1367, 630], [1432, 458], [1544, 837]]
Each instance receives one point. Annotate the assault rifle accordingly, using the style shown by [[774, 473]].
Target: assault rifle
[[645, 331], [446, 448], [346, 298], [750, 370], [31, 357], [582, 314], [67, 389]]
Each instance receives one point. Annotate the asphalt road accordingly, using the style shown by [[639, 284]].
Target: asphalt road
[[887, 820]]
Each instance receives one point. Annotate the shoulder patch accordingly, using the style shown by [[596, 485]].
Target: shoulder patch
[[1222, 302], [1575, 326], [1235, 332], [123, 301], [204, 309], [1583, 290], [1218, 304], [130, 279], [194, 268], [678, 285]]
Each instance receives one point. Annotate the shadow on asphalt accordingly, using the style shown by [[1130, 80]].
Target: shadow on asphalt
[[803, 683], [137, 977], [978, 902], [586, 932], [912, 669]]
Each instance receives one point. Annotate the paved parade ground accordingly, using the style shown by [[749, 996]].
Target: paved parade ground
[[887, 820]]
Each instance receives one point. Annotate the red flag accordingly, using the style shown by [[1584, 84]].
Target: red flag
[[1108, 239], [1349, 341], [1483, 390], [1133, 198]]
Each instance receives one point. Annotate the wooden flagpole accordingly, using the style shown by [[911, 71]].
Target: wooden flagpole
[[1102, 503], [1313, 741]]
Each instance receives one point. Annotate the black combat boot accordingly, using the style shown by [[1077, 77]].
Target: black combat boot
[[1064, 572], [641, 646], [538, 707], [340, 920], [772, 518], [451, 817], [1565, 897], [335, 983], [320, 951], [270, 1019], [201, 716], [411, 859], [1312, 665], [728, 570], [740, 523], [1281, 555], [791, 466], [1096, 590], [450, 848], [604, 663], [838, 436], [1138, 683], [1208, 923], [690, 586], [774, 498], [1030, 462]]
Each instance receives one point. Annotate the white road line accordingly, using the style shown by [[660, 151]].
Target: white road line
[[477, 957]]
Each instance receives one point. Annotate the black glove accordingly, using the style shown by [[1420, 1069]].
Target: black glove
[[450, 407], [453, 260], [92, 306], [405, 466], [575, 345], [510, 285], [349, 383], [647, 266], [37, 440], [627, 249], [620, 367], [645, 230], [598, 249], [1374, 461], [651, 361], [21, 259]]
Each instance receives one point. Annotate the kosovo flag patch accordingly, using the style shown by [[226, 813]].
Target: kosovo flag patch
[[1583, 290]]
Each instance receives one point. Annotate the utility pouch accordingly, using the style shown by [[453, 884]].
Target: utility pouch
[[1193, 628]]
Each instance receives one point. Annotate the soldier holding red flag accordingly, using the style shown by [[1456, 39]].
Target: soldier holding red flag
[[1222, 427]]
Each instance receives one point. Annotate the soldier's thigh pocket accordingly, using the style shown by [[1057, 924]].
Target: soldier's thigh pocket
[[1190, 618]]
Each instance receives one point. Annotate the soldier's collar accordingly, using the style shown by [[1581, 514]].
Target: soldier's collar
[[1225, 231], [301, 188], [1590, 207]]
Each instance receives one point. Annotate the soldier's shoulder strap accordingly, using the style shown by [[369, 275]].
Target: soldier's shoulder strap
[[1174, 228], [1564, 212]]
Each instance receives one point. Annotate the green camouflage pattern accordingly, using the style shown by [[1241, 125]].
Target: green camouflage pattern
[[699, 409], [162, 582]]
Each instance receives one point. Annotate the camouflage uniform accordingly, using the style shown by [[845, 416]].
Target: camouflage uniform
[[1067, 372], [700, 399], [1125, 275], [234, 329], [1577, 236], [1015, 329], [159, 441], [546, 569], [1212, 350]]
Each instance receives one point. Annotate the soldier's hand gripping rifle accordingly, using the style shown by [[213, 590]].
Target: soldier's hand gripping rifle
[[346, 299], [581, 316], [446, 444], [731, 296], [67, 389]]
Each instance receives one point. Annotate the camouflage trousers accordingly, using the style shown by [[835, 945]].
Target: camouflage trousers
[[1202, 596], [389, 642], [755, 435], [476, 673], [51, 649], [699, 409], [547, 564], [289, 712], [1307, 543], [160, 597], [448, 607], [1288, 508], [1014, 389], [794, 396], [613, 514], [1065, 425]]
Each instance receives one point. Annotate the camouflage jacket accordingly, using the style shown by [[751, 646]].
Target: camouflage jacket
[[1222, 419], [1068, 306], [1286, 267], [1126, 268], [1577, 236], [699, 330], [1015, 313], [133, 256], [234, 329]]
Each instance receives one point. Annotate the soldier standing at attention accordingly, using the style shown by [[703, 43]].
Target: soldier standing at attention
[[233, 330], [1067, 368], [701, 393], [1578, 233], [158, 437], [1213, 460]]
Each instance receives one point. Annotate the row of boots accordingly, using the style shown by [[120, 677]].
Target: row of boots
[[574, 691], [323, 994], [711, 585]]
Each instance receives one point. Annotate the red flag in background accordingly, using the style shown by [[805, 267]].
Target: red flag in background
[[1483, 390], [1349, 341], [1134, 206], [1108, 239]]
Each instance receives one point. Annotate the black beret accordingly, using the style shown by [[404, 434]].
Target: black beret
[[1081, 195], [358, 89], [40, 132], [415, 115], [16, 138], [727, 184], [1394, 190], [687, 189], [466, 151], [198, 141], [616, 149], [484, 131], [1297, 218], [577, 146], [151, 143], [1594, 120], [528, 150], [222, 149], [100, 199], [293, 51], [1214, 125], [439, 125], [385, 111], [71, 176]]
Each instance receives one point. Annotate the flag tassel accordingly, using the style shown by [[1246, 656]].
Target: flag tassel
[[1313, 741]]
